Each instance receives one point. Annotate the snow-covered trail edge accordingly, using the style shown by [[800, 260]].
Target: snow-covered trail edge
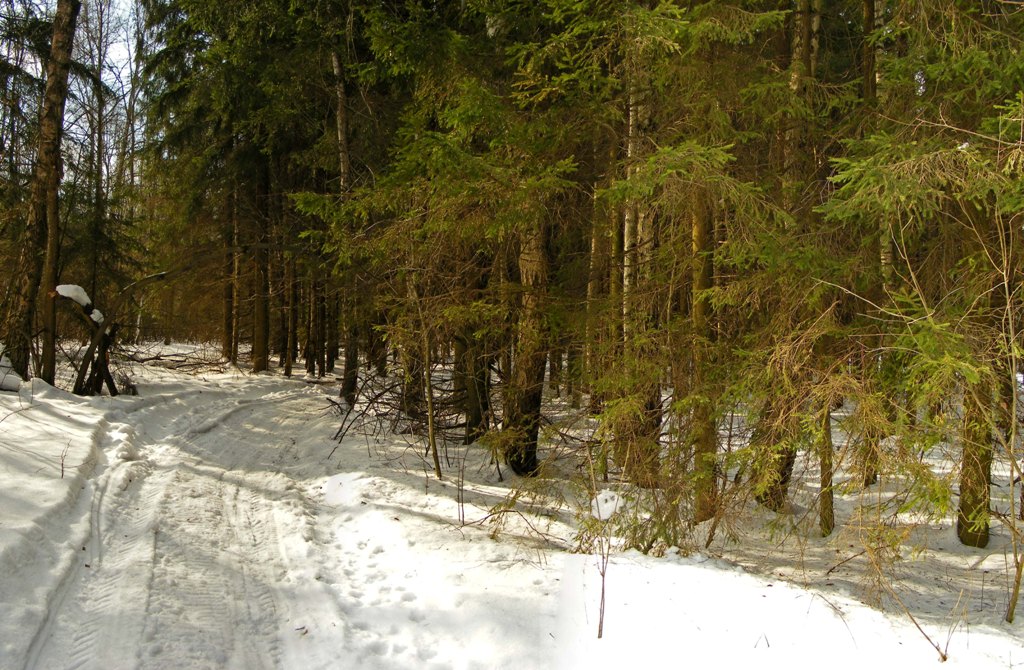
[[182, 559], [208, 530]]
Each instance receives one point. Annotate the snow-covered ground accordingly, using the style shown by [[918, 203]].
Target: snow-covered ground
[[206, 523]]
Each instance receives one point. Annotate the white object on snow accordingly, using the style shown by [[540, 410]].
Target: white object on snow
[[76, 293], [9, 379], [605, 504], [96, 316]]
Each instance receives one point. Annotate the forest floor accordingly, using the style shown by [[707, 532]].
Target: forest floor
[[212, 522]]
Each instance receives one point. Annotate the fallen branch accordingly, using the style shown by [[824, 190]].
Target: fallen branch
[[845, 561]]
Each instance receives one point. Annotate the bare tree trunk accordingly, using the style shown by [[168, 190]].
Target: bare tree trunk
[[350, 376], [99, 144], [574, 373], [522, 416], [377, 346], [18, 331], [261, 272], [597, 289], [773, 439], [332, 320], [881, 248], [321, 332], [341, 125], [236, 281], [427, 372], [637, 441], [868, 53], [477, 393], [460, 372], [228, 322], [556, 356], [288, 355], [49, 281], [261, 311], [705, 430], [311, 353], [972, 519], [826, 504]]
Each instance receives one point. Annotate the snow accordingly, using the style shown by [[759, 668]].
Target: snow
[[76, 293], [202, 525], [604, 505], [9, 379]]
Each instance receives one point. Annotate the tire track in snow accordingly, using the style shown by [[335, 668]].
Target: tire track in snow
[[208, 607], [110, 605], [64, 598], [185, 573]]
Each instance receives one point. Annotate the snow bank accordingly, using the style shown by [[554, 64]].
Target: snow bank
[[48, 449], [703, 609]]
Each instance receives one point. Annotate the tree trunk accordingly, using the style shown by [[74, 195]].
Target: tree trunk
[[321, 331], [350, 376], [775, 453], [427, 371], [868, 54], [972, 519], [477, 393], [236, 278], [460, 373], [261, 267], [780, 430], [574, 373], [637, 444], [341, 125], [555, 357], [282, 310], [705, 430], [19, 330], [49, 281], [228, 322], [261, 311], [332, 318], [522, 416], [311, 353], [377, 347], [288, 355], [826, 504], [599, 271]]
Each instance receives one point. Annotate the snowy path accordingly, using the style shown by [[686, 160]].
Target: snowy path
[[215, 534], [183, 565]]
